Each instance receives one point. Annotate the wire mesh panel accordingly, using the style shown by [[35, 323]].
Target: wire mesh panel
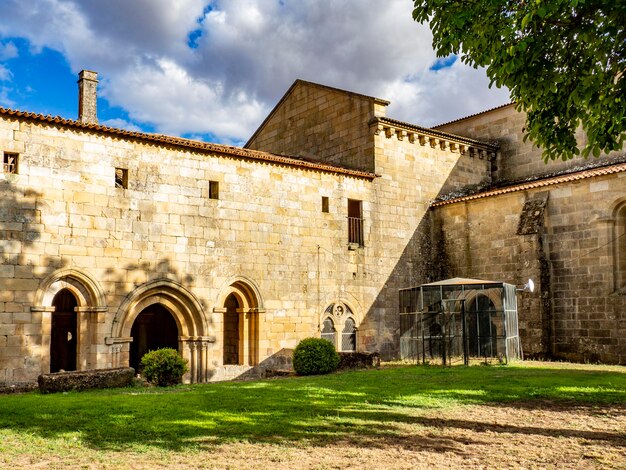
[[456, 321], [328, 330], [348, 336]]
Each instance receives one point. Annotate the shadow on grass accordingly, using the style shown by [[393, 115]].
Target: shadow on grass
[[367, 409]]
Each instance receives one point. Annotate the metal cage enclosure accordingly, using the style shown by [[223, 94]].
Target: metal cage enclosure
[[459, 320]]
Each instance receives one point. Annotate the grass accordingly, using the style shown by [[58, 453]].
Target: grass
[[311, 411]]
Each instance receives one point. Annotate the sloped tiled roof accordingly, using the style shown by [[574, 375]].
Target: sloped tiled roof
[[566, 178], [187, 143], [473, 115]]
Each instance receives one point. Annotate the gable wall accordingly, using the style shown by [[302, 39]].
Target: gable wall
[[321, 124]]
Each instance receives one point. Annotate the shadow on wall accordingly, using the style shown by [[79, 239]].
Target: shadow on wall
[[20, 230], [423, 260]]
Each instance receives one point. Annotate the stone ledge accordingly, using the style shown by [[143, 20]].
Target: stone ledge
[[85, 379], [358, 360], [18, 388]]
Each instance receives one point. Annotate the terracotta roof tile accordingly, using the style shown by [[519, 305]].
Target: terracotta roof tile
[[579, 175], [190, 144], [474, 115]]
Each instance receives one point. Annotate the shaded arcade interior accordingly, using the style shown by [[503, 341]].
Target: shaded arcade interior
[[154, 328]]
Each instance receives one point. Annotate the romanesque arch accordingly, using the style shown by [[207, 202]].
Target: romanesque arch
[[168, 296], [618, 235], [87, 305], [82, 285], [239, 309]]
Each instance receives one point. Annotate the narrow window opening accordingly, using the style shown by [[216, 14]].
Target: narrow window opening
[[348, 336], [9, 163], [328, 331], [620, 247], [121, 178], [214, 190], [355, 222], [325, 206]]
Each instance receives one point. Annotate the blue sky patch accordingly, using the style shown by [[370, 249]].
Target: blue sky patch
[[443, 62]]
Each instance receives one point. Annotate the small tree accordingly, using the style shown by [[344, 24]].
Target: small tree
[[315, 356], [164, 367], [562, 60]]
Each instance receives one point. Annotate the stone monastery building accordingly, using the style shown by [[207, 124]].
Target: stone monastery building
[[115, 242]]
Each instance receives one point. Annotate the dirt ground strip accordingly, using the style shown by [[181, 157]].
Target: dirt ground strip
[[538, 434]]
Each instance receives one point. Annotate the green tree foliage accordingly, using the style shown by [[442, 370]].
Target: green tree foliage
[[164, 367], [562, 60], [314, 356]]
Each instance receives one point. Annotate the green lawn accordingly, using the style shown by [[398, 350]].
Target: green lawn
[[302, 411]]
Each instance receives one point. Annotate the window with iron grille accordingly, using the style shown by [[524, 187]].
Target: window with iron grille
[[328, 330], [355, 222], [9, 162], [348, 335]]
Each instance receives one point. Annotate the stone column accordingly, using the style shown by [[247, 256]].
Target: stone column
[[244, 336], [46, 332]]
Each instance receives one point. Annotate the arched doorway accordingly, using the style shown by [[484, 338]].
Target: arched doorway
[[240, 305], [481, 334], [63, 334], [154, 328], [232, 332]]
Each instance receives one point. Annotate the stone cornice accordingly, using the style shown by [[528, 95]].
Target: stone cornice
[[391, 128]]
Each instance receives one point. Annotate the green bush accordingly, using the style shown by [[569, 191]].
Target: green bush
[[315, 356], [164, 367]]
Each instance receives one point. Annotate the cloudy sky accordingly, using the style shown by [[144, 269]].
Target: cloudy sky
[[212, 70]]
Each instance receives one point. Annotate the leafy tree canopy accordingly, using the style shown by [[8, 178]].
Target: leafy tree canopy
[[562, 60]]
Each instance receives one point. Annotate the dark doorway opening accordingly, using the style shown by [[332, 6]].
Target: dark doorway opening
[[154, 328], [63, 332], [481, 331], [232, 329]]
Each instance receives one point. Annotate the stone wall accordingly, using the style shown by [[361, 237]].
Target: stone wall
[[65, 224], [569, 250], [517, 160], [412, 168], [321, 123]]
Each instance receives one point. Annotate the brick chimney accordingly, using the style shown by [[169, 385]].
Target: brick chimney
[[87, 97]]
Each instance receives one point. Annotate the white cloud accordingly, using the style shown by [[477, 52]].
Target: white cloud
[[8, 51], [121, 124], [5, 101], [249, 53], [5, 73]]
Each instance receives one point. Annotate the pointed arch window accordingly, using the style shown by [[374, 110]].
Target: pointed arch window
[[348, 335], [339, 327], [328, 330], [620, 246]]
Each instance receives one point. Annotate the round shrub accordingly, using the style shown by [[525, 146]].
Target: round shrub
[[164, 367], [315, 356]]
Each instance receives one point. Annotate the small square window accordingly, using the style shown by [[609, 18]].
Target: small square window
[[214, 190], [9, 163], [121, 178], [325, 204]]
